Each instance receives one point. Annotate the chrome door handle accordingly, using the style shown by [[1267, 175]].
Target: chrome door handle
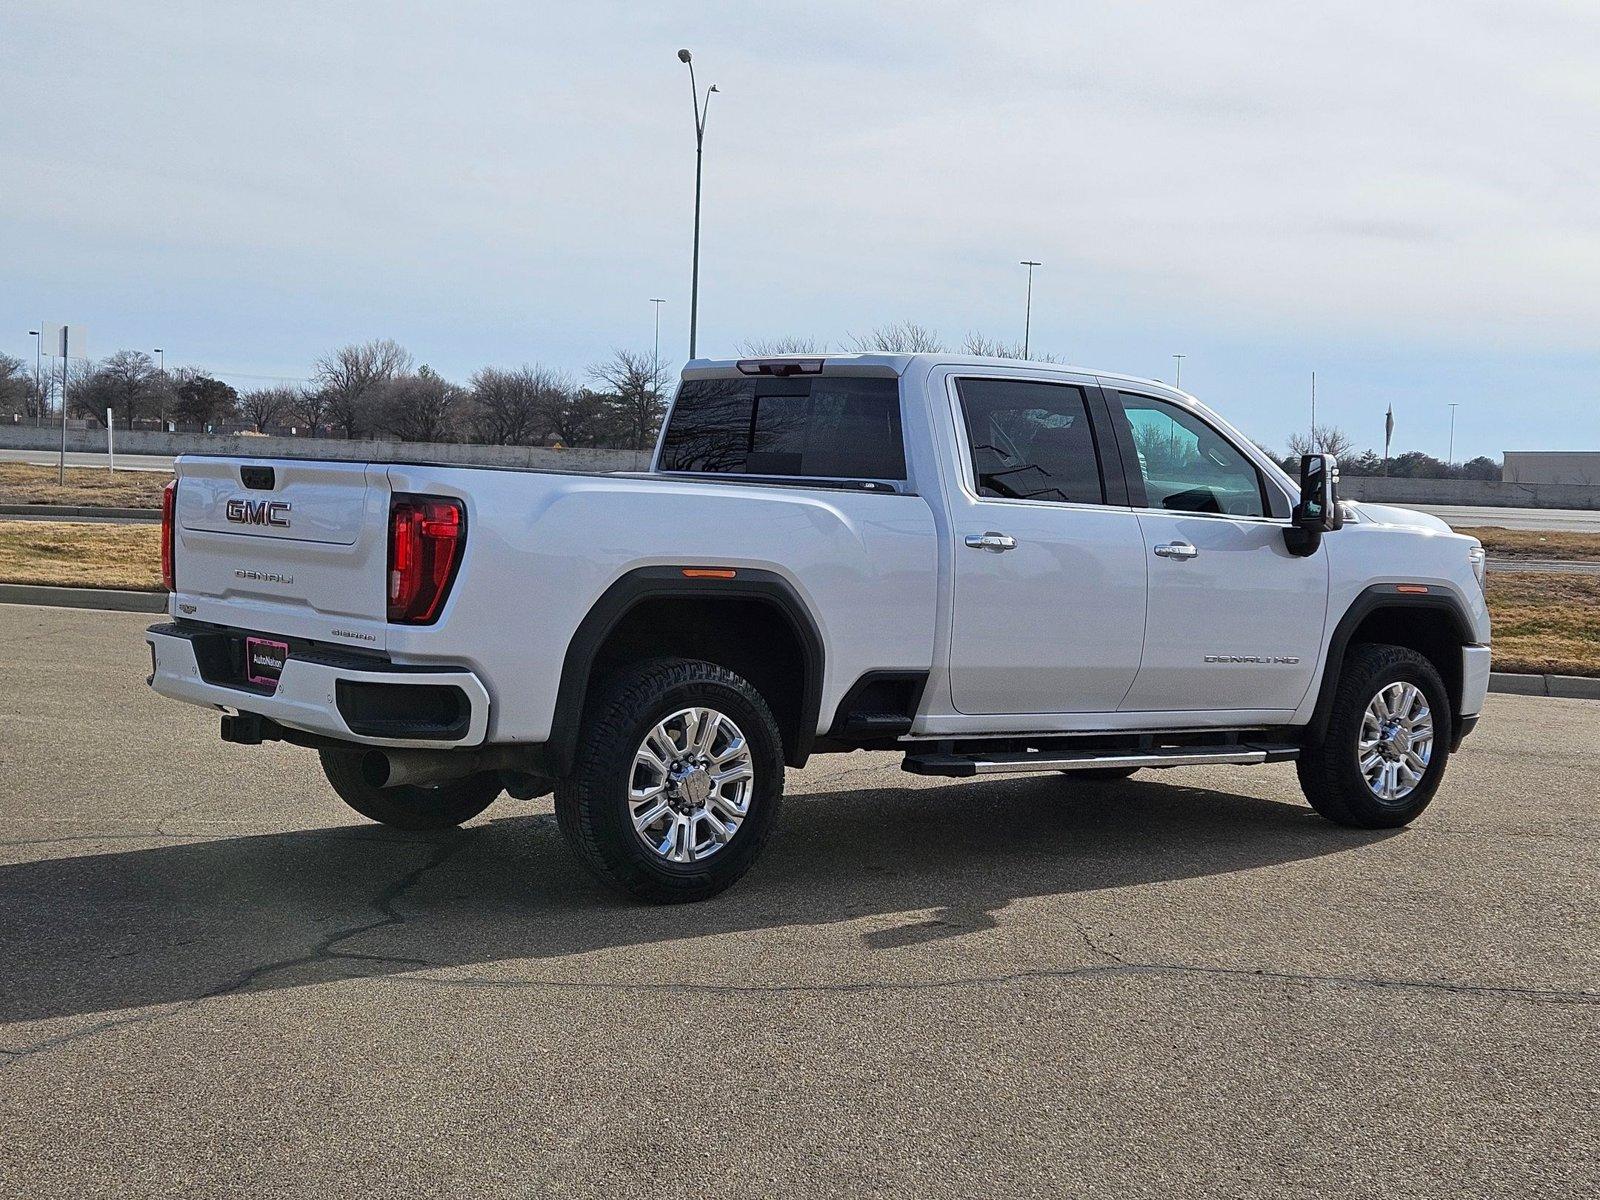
[[998, 543], [1180, 550]]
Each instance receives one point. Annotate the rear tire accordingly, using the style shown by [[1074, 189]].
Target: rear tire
[[409, 808], [1374, 680], [664, 802]]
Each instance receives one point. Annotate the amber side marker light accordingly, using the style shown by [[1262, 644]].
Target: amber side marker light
[[1411, 589], [708, 573]]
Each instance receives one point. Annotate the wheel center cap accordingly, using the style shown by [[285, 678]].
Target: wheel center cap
[[692, 783], [1396, 743]]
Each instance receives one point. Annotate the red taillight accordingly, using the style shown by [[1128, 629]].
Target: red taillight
[[426, 536], [169, 504]]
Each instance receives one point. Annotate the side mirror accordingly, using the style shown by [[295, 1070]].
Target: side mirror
[[1318, 511]]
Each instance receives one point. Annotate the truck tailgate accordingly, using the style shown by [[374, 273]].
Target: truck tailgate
[[284, 546]]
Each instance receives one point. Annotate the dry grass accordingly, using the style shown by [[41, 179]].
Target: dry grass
[[78, 555], [1535, 543], [1546, 622], [1542, 622], [22, 483]]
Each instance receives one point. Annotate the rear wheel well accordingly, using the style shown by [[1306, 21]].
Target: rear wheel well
[[749, 635]]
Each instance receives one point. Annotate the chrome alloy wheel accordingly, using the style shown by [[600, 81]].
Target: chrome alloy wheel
[[691, 785], [1396, 741]]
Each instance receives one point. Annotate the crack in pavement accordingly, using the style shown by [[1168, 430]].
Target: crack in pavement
[[325, 950], [1118, 967]]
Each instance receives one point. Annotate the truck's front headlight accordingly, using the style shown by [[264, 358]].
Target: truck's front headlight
[[1480, 564]]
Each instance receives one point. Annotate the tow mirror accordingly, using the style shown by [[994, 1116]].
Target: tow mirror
[[1318, 511]]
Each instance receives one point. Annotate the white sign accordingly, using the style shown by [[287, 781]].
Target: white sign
[[64, 341]]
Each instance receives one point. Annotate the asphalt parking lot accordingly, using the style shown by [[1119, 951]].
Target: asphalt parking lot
[[214, 978]]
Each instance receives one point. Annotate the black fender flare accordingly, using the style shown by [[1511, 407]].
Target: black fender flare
[[1373, 599], [652, 583]]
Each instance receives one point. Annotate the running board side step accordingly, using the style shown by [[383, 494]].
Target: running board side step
[[1021, 762]]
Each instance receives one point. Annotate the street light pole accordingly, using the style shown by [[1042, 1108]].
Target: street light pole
[[700, 111], [655, 359], [1451, 460], [38, 372], [1027, 312], [163, 355], [1178, 358]]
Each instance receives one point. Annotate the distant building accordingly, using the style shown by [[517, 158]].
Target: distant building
[[1551, 466]]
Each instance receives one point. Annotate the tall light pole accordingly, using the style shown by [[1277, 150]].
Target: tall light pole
[[163, 354], [700, 111], [1451, 460], [1178, 359], [1027, 311], [38, 372], [655, 359]]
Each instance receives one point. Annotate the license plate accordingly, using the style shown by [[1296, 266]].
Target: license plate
[[263, 661]]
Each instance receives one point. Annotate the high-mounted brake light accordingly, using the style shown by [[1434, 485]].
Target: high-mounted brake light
[[780, 366], [426, 538], [169, 507]]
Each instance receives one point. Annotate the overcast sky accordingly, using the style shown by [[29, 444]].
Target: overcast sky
[[1402, 196]]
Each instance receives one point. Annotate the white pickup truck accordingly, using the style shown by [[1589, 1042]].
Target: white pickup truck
[[990, 566]]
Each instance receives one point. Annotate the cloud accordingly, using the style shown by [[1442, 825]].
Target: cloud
[[508, 181]]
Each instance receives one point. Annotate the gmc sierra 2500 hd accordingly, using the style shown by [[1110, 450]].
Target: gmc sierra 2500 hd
[[991, 566]]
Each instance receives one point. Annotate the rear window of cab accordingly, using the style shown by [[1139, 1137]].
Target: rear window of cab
[[810, 427]]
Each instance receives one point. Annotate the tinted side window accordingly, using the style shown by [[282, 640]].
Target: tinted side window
[[1031, 441], [1188, 466], [820, 427]]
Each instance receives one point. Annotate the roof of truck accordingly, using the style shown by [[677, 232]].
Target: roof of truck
[[898, 364]]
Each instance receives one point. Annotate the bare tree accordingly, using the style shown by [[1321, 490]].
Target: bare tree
[[263, 406], [16, 386], [902, 337], [511, 408], [579, 416], [763, 347], [309, 407], [126, 383], [1323, 439], [200, 399], [349, 376], [419, 407], [987, 347], [634, 391]]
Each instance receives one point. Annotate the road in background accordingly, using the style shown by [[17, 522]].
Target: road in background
[[219, 979], [75, 458], [1567, 520]]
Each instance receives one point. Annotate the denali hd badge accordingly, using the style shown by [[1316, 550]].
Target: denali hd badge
[[259, 512]]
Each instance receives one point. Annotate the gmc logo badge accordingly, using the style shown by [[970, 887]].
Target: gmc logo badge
[[258, 512]]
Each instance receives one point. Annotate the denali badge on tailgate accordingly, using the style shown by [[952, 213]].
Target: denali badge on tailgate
[[259, 512]]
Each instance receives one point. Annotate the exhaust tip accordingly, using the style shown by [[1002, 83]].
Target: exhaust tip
[[375, 768]]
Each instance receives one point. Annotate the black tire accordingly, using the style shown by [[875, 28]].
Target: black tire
[[592, 806], [1330, 769], [1101, 774], [410, 808]]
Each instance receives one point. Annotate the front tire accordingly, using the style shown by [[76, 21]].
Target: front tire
[[1387, 742], [405, 807], [677, 780]]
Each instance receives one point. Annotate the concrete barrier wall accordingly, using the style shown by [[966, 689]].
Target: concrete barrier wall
[[1471, 492], [27, 437]]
